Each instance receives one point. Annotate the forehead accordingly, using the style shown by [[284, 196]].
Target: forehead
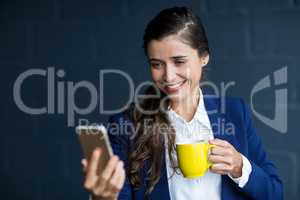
[[169, 47]]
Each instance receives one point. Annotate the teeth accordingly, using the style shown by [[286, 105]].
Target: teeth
[[174, 85]]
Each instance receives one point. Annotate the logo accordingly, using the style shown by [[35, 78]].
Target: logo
[[279, 123]]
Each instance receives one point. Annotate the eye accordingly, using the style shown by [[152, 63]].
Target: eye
[[156, 65], [180, 62]]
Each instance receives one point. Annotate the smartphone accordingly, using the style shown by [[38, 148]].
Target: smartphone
[[91, 137]]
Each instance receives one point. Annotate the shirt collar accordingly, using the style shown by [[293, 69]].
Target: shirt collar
[[200, 112]]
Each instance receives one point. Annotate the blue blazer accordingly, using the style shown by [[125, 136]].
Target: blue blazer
[[263, 183]]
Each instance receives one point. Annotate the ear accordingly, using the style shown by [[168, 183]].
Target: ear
[[204, 60]]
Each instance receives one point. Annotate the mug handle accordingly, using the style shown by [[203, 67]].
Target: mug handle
[[209, 148]]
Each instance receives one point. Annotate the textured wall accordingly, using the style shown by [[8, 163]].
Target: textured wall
[[39, 154]]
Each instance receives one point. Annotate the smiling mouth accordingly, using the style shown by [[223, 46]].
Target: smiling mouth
[[173, 87]]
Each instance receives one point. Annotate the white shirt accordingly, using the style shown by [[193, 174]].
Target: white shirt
[[209, 185]]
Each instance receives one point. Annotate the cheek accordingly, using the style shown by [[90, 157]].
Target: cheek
[[197, 74], [156, 75], [194, 73], [196, 77], [189, 72]]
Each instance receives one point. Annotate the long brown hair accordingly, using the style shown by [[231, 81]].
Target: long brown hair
[[149, 141]]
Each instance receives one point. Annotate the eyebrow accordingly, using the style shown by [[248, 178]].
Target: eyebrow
[[178, 57], [173, 57]]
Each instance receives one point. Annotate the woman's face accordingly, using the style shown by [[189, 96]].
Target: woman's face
[[176, 67]]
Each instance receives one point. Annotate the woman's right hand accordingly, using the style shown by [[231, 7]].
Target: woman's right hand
[[106, 185]]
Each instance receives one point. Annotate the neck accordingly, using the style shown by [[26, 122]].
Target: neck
[[187, 107]]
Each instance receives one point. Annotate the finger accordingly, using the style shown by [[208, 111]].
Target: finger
[[219, 142], [219, 150], [110, 167], [219, 172], [84, 165], [103, 182], [215, 159], [112, 188], [221, 167], [91, 176], [114, 182], [121, 181]]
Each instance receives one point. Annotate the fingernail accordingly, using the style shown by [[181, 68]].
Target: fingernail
[[97, 148], [96, 152]]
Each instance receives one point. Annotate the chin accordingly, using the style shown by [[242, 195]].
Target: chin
[[177, 96]]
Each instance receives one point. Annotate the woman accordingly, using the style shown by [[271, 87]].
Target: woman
[[145, 165]]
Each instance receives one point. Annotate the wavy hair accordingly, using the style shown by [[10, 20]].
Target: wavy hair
[[149, 141]]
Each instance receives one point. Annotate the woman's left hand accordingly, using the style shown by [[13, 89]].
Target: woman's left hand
[[225, 159]]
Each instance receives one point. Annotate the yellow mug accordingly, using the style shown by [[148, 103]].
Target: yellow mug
[[193, 158]]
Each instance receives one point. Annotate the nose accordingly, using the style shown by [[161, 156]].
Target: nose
[[170, 73]]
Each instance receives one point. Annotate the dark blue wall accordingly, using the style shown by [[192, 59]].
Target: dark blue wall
[[39, 154]]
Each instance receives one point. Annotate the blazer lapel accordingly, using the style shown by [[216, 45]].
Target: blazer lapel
[[219, 122]]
